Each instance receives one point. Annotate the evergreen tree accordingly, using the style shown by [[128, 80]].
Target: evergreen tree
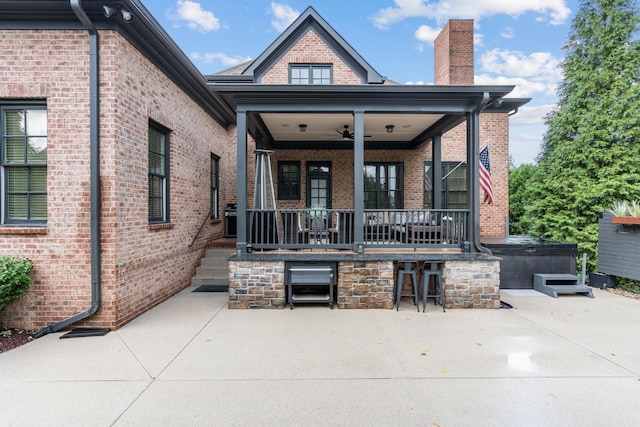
[[591, 152], [520, 195]]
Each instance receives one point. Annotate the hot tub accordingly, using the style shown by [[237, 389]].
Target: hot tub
[[522, 256]]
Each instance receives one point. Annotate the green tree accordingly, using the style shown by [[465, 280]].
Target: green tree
[[520, 196], [591, 152]]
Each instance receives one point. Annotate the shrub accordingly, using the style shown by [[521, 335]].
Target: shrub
[[15, 279]]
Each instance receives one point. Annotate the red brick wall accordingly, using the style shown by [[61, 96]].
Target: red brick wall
[[141, 265], [310, 50], [453, 53], [342, 173], [494, 131]]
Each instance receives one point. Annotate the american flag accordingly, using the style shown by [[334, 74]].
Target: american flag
[[485, 175]]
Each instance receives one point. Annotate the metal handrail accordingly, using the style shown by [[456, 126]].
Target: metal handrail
[[313, 228], [200, 229]]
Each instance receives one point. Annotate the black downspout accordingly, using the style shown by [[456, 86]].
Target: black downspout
[[94, 137]]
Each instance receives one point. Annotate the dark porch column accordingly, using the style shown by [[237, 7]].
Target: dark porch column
[[473, 189], [358, 180], [241, 182], [436, 171]]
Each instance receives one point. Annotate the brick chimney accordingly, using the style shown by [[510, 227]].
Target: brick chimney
[[453, 52]]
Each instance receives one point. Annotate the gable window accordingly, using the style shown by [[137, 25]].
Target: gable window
[[288, 180], [310, 74], [24, 164], [158, 174], [454, 185], [215, 181], [383, 186]]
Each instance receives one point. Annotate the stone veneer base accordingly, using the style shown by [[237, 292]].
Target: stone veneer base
[[365, 284]]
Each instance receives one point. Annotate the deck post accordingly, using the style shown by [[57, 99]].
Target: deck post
[[358, 181], [241, 182], [473, 189], [436, 172]]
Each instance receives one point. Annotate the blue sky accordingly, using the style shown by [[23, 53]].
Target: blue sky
[[516, 41]]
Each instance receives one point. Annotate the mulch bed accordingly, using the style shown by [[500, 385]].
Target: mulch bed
[[623, 293], [17, 338]]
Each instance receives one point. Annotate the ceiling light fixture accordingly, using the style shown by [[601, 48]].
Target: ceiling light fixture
[[389, 128], [110, 11], [126, 15], [302, 127]]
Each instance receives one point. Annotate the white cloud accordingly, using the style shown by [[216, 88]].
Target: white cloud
[[533, 115], [556, 11], [419, 82], [516, 63], [227, 61], [195, 17], [427, 34], [524, 88], [283, 16], [536, 73]]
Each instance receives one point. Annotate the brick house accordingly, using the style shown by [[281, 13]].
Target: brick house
[[119, 156]]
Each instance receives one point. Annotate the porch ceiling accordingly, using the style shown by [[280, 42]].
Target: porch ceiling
[[329, 127], [417, 113]]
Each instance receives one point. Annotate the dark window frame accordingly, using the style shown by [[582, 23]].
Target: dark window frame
[[449, 186], [36, 170], [380, 190], [285, 192], [310, 79], [159, 178], [215, 186]]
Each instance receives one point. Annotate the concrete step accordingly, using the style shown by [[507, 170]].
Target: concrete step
[[210, 262], [212, 271], [213, 268], [198, 281], [219, 252]]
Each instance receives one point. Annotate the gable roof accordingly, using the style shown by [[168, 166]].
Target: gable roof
[[309, 19]]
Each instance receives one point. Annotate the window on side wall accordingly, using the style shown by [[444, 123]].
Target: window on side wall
[[310, 74], [383, 186], [158, 174], [215, 183], [454, 185], [288, 180], [24, 164]]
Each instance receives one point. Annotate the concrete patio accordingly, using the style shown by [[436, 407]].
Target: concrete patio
[[571, 361]]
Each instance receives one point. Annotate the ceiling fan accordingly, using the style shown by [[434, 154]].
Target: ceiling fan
[[346, 135]]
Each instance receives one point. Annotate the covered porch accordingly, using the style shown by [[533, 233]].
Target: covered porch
[[351, 135]]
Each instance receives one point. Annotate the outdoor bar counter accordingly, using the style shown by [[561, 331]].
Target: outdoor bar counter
[[363, 281]]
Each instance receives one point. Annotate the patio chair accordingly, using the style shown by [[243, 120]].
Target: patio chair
[[293, 232]]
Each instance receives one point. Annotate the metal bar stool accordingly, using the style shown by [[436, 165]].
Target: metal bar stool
[[438, 291], [408, 269]]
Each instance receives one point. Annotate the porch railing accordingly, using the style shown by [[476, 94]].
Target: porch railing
[[334, 228]]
